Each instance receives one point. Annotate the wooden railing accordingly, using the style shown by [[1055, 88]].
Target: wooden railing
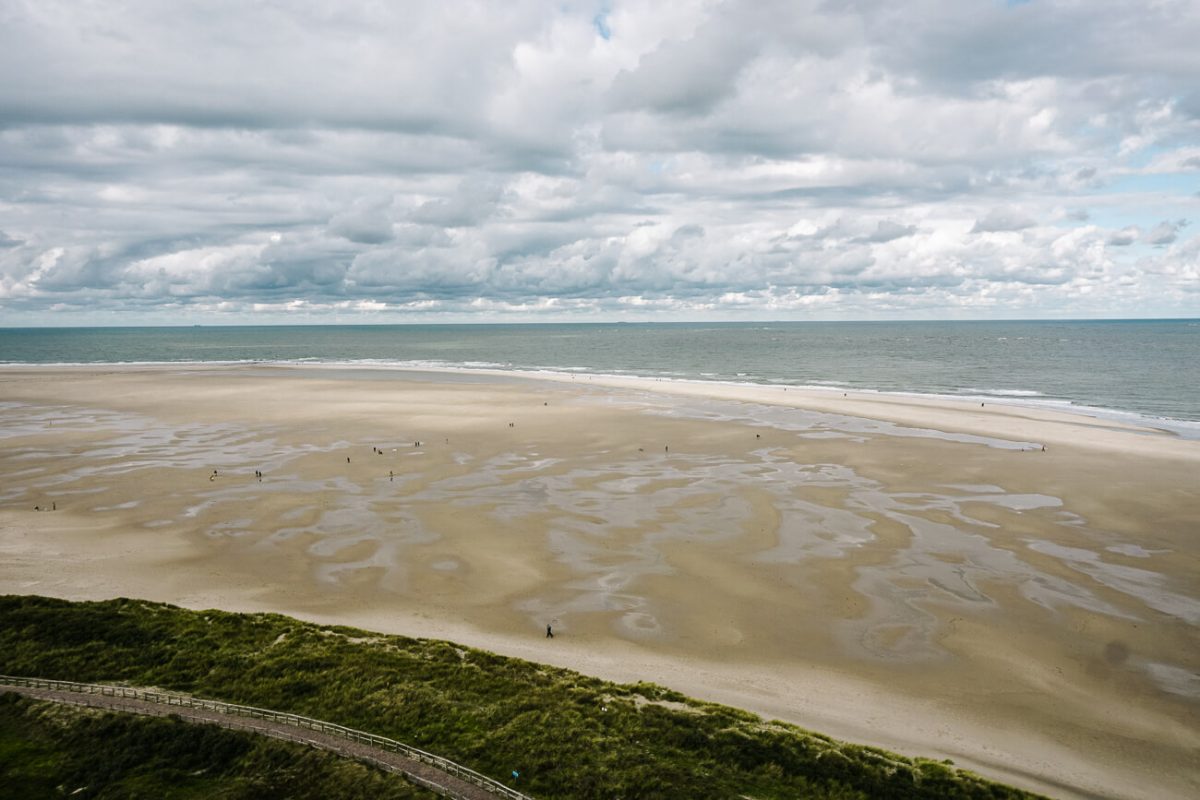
[[293, 720]]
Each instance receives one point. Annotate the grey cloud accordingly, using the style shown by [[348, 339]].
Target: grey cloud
[[362, 225], [522, 241], [577, 269], [1003, 219], [965, 44], [1165, 232], [686, 77], [350, 64], [684, 232], [1124, 237], [886, 231], [471, 203], [426, 272]]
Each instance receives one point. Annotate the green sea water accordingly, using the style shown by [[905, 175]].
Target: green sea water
[[1149, 369]]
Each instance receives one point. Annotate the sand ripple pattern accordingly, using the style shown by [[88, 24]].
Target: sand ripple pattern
[[602, 537]]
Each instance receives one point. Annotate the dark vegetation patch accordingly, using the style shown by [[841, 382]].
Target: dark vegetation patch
[[54, 751]]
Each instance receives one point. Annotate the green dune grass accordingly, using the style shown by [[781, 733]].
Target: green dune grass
[[53, 751], [566, 734]]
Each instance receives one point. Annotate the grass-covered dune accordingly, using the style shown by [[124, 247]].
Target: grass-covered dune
[[568, 735], [50, 751]]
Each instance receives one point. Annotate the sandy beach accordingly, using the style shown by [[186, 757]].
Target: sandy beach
[[1013, 588]]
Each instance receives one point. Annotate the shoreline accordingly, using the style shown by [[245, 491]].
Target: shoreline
[[1002, 420], [775, 574], [1178, 427]]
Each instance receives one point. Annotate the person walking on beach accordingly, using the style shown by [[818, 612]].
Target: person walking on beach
[[549, 632]]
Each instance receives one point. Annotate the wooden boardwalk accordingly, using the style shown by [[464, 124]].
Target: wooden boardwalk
[[432, 772]]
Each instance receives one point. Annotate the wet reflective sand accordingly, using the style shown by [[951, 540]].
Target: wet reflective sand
[[1038, 610]]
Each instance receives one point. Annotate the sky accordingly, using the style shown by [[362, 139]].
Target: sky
[[306, 161]]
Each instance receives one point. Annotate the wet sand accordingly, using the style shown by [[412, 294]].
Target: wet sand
[[906, 572]]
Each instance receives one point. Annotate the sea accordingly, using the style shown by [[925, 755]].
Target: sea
[[1145, 371]]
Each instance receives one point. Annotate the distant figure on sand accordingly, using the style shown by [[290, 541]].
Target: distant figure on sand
[[549, 633]]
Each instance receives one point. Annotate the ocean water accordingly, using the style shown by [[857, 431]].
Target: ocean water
[[1142, 369]]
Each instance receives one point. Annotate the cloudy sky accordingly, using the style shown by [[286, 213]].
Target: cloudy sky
[[373, 161]]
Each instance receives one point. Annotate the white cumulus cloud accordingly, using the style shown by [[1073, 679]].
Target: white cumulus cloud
[[549, 160]]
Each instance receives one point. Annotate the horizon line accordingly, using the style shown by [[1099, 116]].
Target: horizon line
[[343, 324]]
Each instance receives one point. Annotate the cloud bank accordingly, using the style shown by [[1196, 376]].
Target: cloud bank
[[361, 161]]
